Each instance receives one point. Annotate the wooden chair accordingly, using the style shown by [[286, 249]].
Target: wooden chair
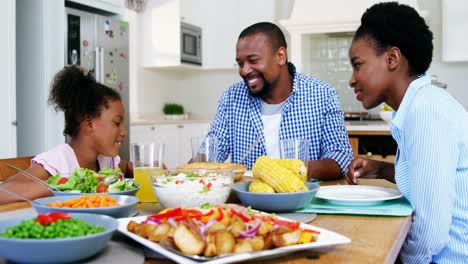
[[20, 162]]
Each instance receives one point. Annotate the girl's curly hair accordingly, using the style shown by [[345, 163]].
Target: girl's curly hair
[[79, 96]]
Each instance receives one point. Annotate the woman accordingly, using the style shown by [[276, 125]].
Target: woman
[[390, 53], [94, 121]]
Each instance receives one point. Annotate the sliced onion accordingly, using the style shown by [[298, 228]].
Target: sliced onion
[[250, 232], [172, 222], [152, 221]]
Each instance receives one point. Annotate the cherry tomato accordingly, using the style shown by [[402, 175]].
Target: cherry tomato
[[101, 188], [100, 179], [62, 180], [45, 219]]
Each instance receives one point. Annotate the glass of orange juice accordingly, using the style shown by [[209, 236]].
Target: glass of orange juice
[[147, 159]]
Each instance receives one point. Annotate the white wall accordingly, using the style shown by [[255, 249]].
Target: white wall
[[199, 91], [452, 73]]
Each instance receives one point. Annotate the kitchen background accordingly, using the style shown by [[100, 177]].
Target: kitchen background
[[326, 58], [30, 64]]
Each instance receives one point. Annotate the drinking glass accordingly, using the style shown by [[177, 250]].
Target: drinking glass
[[295, 149], [204, 149], [147, 159]]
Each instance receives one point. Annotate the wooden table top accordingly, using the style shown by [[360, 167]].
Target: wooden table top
[[375, 239]]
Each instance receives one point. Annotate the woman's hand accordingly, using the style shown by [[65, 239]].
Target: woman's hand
[[362, 168]]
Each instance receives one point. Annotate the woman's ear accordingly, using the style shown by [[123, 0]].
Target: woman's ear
[[393, 58]]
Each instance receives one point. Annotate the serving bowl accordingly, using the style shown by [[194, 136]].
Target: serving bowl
[[127, 192], [386, 116], [177, 189], [127, 203], [59, 249], [275, 202]]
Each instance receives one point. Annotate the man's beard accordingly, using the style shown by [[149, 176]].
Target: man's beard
[[266, 89]]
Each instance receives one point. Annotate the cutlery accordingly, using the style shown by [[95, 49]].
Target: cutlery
[[19, 196], [32, 177], [257, 139]]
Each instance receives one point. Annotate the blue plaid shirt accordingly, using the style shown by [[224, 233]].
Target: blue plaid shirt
[[311, 111]]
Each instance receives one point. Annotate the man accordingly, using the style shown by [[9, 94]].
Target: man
[[276, 102]]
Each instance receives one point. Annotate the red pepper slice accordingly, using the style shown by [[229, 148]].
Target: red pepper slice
[[242, 216], [220, 216], [292, 225], [311, 231], [168, 214]]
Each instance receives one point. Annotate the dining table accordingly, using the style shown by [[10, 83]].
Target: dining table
[[374, 239]]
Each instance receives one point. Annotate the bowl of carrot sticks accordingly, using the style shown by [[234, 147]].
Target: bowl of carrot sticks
[[112, 205]]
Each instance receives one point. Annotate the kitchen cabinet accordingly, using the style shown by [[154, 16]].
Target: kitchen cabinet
[[454, 29], [376, 145], [176, 138], [112, 6], [8, 76], [221, 23]]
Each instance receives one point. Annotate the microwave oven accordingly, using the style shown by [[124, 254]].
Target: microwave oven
[[190, 44]]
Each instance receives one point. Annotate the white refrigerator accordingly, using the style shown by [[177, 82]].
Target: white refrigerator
[[100, 44]]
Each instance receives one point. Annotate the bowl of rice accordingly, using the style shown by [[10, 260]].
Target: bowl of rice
[[181, 189]]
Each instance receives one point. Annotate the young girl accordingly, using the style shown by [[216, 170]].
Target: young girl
[[390, 53], [94, 121]]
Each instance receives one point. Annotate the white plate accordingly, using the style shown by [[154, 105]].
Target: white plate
[[357, 194], [326, 238]]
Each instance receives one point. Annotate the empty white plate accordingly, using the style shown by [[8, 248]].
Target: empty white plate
[[357, 194]]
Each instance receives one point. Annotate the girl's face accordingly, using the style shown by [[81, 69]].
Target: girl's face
[[108, 129], [370, 77]]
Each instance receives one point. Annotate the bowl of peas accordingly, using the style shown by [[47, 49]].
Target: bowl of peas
[[54, 237]]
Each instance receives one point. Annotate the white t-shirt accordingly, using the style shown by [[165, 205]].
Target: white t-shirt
[[271, 118]]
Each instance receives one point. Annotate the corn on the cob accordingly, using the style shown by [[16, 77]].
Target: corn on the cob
[[278, 177], [294, 165], [259, 186]]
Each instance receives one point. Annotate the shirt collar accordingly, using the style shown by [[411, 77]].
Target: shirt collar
[[400, 114]]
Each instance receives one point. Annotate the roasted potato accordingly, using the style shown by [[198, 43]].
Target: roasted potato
[[131, 226], [287, 238], [242, 245], [188, 241], [159, 232], [210, 249], [225, 242], [257, 243], [144, 229]]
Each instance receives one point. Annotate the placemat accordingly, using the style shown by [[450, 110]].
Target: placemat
[[397, 207]]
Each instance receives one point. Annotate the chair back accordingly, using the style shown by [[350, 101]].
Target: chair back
[[20, 162]]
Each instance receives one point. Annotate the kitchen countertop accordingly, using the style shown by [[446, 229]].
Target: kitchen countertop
[[366, 125]]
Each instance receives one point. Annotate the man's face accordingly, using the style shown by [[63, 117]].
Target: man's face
[[258, 64], [370, 73]]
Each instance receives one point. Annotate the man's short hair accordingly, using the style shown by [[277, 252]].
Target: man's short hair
[[272, 31]]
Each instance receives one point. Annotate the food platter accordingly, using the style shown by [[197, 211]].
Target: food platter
[[326, 238]]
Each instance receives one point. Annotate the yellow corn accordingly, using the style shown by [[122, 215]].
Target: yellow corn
[[258, 186], [281, 179], [294, 165]]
